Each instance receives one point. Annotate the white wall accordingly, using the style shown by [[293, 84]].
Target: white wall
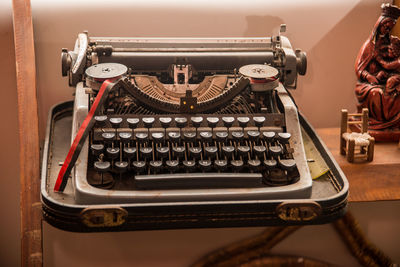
[[331, 32]]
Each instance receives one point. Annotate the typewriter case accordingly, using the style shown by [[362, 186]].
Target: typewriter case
[[83, 208]]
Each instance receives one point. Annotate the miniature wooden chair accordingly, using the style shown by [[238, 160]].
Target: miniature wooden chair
[[356, 144]]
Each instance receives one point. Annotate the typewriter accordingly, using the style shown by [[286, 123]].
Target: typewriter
[[189, 128]]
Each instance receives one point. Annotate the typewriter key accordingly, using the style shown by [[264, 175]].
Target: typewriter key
[[259, 151], [155, 166], [195, 152], [165, 122], [129, 152], [180, 122], [220, 164], [142, 137], [243, 121], [206, 137], [275, 151], [125, 137], [100, 121], [270, 164], [121, 166], [189, 137], [139, 166], [212, 122], [189, 165], [237, 165], [148, 122], [228, 121], [132, 122], [283, 137], [108, 137], [196, 121], [259, 121], [205, 165], [115, 122], [172, 165], [97, 149], [179, 151], [158, 138], [269, 136], [243, 151], [162, 152], [254, 164], [112, 153], [222, 136], [146, 152], [102, 166], [287, 164], [237, 136], [227, 151], [253, 135], [210, 151], [174, 137]]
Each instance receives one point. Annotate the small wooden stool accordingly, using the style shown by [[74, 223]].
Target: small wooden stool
[[354, 144]]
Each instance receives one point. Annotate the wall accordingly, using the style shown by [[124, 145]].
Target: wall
[[331, 32]]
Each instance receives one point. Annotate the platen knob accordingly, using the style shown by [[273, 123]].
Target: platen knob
[[65, 62], [301, 62]]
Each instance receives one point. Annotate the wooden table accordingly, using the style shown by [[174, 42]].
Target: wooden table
[[369, 181]]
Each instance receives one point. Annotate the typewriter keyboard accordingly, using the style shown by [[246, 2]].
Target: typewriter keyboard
[[193, 151]]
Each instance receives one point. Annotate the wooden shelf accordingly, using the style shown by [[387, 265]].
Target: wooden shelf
[[369, 181]]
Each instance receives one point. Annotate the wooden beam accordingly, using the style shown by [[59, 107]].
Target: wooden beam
[[31, 214]]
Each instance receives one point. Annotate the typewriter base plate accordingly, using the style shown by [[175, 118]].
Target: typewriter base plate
[[327, 202]]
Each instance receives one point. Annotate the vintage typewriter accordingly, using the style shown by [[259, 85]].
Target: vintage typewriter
[[184, 132]]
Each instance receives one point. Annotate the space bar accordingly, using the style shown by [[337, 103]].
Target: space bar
[[198, 180]]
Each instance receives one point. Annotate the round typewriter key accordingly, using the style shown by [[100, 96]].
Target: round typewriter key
[[259, 121], [112, 153], [237, 136], [270, 164], [146, 152], [196, 121], [132, 122], [211, 151], [287, 164], [237, 165], [227, 151], [148, 122], [102, 166], [179, 151], [189, 165], [243, 121], [142, 137], [189, 137], [206, 137], [172, 165], [100, 121], [259, 151], [228, 121], [212, 122], [275, 151], [158, 138], [121, 166], [284, 137], [253, 135], [108, 136], [125, 137], [155, 166], [222, 136], [162, 152], [115, 122], [254, 164], [180, 122], [205, 165], [174, 137], [269, 136], [243, 151], [97, 149], [165, 122], [139, 166], [129, 152], [220, 164], [195, 152]]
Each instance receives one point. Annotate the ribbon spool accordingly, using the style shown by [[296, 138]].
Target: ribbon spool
[[97, 74], [262, 77]]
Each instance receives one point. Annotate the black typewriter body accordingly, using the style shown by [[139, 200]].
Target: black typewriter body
[[194, 133]]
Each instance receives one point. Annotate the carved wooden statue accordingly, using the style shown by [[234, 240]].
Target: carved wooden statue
[[378, 72]]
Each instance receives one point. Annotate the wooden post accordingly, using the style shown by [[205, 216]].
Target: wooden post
[[364, 125], [31, 214], [343, 129]]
